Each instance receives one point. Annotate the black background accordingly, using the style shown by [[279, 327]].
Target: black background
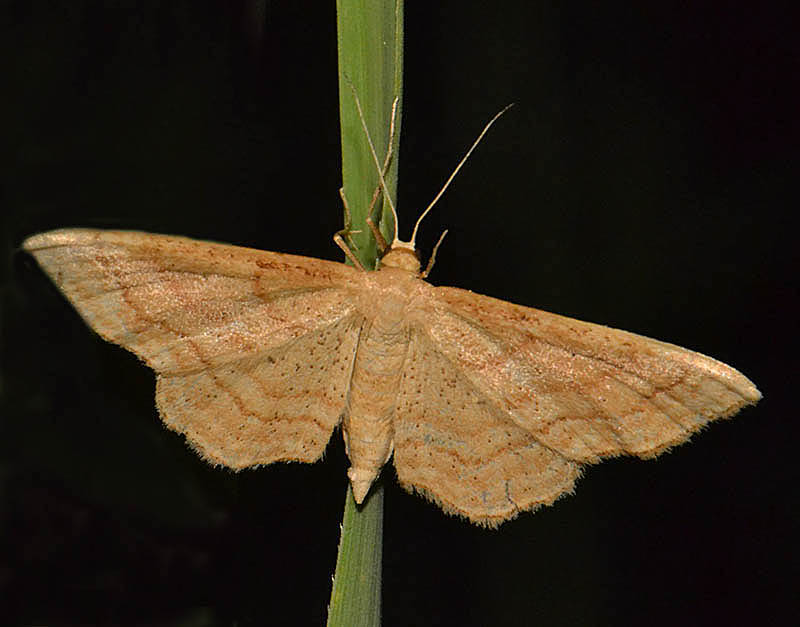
[[642, 181]]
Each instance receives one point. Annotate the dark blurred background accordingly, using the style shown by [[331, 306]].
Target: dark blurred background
[[644, 180]]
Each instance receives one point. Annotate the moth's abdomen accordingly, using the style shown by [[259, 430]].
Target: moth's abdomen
[[367, 424]]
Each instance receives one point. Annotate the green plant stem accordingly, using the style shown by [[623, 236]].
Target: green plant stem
[[370, 40], [370, 63]]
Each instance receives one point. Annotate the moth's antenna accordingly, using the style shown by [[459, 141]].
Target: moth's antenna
[[453, 175], [375, 154]]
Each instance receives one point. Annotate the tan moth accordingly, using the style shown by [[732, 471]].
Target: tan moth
[[486, 407]]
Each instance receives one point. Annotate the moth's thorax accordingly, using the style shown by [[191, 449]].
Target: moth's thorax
[[403, 257], [389, 294]]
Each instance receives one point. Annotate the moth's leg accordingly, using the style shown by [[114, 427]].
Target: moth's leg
[[380, 241], [376, 233], [338, 237], [383, 246], [432, 260], [348, 230]]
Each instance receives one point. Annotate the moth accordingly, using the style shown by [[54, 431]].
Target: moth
[[486, 407]]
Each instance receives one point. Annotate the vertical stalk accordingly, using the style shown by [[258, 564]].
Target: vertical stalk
[[370, 34], [370, 43]]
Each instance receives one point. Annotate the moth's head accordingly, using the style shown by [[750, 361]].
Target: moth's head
[[402, 255]]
